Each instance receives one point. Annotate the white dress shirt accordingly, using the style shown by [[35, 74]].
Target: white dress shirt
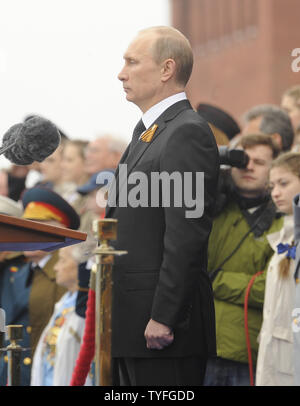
[[42, 262], [155, 111]]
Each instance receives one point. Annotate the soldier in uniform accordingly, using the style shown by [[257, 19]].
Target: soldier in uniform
[[13, 293], [36, 283]]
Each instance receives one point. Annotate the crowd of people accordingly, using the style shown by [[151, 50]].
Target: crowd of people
[[252, 251], [47, 292], [253, 277]]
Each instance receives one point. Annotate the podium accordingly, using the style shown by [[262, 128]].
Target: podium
[[17, 234]]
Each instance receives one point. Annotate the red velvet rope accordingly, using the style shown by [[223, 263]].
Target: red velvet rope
[[246, 327], [87, 349]]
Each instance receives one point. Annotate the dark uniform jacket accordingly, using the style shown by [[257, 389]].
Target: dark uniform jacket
[[28, 298], [14, 296]]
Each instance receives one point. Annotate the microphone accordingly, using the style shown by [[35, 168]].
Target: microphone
[[33, 140]]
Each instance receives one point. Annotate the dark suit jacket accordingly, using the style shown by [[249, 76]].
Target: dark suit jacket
[[164, 275]]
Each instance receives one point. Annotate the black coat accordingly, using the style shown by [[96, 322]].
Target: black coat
[[164, 274]]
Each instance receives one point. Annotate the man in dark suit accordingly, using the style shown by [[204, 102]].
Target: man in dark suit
[[163, 326]]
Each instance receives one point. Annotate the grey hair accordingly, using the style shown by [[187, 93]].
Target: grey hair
[[114, 144], [83, 251], [274, 120]]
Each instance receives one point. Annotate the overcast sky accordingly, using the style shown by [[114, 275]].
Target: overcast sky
[[60, 59]]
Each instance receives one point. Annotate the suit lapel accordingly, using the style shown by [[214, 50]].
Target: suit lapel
[[141, 146], [132, 158]]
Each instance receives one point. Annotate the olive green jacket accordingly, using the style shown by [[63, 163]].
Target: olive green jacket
[[231, 281]]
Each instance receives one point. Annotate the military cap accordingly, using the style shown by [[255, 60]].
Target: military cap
[[96, 181], [10, 207], [219, 118], [41, 203]]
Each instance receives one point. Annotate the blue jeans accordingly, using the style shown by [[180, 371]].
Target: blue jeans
[[223, 372]]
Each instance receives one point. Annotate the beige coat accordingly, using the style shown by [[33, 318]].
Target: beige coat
[[275, 352]]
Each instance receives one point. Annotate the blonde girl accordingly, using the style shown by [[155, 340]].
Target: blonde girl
[[275, 353]]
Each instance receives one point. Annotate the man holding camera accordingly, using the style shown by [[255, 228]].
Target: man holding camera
[[238, 249]]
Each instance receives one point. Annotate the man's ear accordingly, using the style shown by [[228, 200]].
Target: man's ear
[[168, 69], [277, 138]]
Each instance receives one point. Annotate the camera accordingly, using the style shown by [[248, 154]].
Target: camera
[[233, 157], [229, 158]]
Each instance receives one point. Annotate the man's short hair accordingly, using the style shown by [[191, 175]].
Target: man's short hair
[[171, 43], [274, 120], [252, 140], [294, 93], [115, 144]]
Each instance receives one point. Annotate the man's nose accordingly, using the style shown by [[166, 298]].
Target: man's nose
[[250, 165], [122, 74]]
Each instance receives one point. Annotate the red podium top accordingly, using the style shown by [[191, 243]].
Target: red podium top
[[18, 234]]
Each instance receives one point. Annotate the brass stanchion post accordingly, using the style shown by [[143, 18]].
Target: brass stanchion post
[[105, 231], [14, 350]]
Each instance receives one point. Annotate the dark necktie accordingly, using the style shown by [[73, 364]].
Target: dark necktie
[[138, 130], [32, 270]]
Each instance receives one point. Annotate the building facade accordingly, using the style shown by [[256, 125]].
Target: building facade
[[243, 50]]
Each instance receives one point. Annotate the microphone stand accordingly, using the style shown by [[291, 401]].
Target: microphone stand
[[14, 350], [2, 329]]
